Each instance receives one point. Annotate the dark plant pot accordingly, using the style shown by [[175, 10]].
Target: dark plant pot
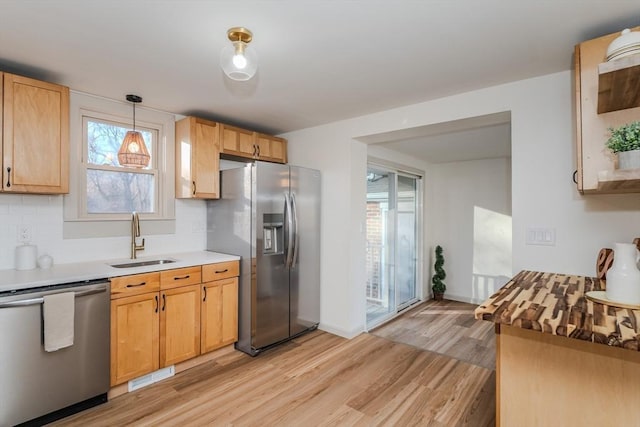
[[438, 296]]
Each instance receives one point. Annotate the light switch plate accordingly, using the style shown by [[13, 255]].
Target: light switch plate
[[541, 236]]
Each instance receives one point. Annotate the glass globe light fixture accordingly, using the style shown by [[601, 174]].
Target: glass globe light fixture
[[238, 60]]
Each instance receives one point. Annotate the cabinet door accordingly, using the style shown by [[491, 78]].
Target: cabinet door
[[179, 324], [35, 136], [279, 150], [219, 314], [263, 142], [134, 336], [197, 159], [237, 141], [271, 148]]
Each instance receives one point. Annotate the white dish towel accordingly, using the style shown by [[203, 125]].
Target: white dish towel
[[59, 314]]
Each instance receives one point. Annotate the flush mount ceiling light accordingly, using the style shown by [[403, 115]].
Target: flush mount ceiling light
[[133, 152], [239, 61]]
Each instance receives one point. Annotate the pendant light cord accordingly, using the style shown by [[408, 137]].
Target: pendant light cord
[[134, 116]]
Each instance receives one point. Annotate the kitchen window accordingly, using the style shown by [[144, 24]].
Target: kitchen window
[[102, 193], [111, 188]]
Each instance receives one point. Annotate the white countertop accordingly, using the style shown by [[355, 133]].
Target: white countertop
[[78, 272]]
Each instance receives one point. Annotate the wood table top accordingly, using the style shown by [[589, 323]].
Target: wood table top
[[556, 304]]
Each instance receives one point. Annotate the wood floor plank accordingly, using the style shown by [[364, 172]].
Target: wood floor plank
[[320, 379]]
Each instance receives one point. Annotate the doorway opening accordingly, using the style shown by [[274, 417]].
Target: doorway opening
[[393, 227]]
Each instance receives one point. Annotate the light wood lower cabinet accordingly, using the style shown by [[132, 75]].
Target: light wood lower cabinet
[[134, 336], [163, 318], [179, 324], [550, 380], [219, 314]]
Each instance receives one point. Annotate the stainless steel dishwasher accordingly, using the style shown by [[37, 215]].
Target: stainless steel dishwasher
[[36, 386]]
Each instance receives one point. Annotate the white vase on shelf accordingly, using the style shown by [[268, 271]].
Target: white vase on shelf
[[629, 159], [623, 278]]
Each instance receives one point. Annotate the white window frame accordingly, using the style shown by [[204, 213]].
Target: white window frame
[[80, 224]]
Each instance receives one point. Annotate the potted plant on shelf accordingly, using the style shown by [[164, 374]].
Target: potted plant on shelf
[[625, 143], [438, 276]]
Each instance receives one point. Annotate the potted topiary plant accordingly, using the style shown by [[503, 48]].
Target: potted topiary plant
[[438, 276], [625, 143]]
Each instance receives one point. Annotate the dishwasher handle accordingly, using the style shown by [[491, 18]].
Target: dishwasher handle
[[40, 300]]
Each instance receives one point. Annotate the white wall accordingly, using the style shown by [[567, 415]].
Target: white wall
[[44, 215], [470, 217], [543, 194], [340, 240]]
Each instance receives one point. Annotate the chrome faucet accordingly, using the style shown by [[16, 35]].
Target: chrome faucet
[[135, 232]]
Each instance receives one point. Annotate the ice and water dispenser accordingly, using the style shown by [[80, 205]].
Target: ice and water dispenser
[[273, 234]]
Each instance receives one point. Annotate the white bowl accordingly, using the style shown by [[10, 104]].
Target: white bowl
[[628, 43]]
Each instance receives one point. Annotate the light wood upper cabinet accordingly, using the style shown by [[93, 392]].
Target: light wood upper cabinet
[[219, 314], [179, 324], [35, 139], [237, 141], [271, 148], [197, 159], [252, 145], [134, 336], [599, 106]]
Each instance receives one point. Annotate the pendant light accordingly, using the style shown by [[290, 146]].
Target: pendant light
[[239, 61], [133, 152]]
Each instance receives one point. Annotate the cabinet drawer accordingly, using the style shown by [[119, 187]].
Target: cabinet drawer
[[175, 278], [135, 284], [220, 270]]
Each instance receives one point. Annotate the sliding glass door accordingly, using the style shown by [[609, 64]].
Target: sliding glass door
[[392, 257]]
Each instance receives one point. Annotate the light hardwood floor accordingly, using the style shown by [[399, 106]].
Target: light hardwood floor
[[321, 380], [445, 327]]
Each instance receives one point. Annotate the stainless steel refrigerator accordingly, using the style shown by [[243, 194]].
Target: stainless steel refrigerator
[[269, 215]]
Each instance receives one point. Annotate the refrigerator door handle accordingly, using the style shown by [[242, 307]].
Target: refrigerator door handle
[[296, 232], [288, 224]]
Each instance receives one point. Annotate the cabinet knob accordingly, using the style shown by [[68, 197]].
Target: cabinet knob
[[193, 188], [8, 176]]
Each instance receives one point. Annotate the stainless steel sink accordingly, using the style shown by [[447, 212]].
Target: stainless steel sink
[[143, 263]]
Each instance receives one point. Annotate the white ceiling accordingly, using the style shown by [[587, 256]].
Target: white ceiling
[[319, 60]]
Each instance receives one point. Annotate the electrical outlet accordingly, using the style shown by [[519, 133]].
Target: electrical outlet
[[25, 233]]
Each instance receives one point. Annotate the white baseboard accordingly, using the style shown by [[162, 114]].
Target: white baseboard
[[341, 332], [463, 299]]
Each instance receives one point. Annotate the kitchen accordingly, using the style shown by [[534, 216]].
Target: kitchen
[[542, 136]]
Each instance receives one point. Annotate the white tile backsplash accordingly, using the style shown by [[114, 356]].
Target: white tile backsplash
[[44, 216]]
